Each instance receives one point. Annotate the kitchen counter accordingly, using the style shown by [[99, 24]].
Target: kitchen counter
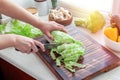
[[35, 67]]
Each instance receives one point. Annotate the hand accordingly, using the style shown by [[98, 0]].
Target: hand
[[27, 45], [48, 27]]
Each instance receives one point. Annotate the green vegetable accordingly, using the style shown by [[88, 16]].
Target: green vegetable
[[24, 29], [94, 22], [69, 51], [2, 28], [61, 37]]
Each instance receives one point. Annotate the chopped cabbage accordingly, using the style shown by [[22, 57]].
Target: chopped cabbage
[[69, 51]]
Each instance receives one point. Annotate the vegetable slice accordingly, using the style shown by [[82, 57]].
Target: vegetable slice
[[69, 52]]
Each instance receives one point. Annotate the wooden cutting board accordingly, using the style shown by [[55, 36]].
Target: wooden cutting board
[[97, 59]]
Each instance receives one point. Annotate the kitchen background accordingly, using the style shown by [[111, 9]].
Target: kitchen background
[[27, 3], [80, 8]]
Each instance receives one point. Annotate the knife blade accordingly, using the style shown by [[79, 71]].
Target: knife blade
[[50, 45], [49, 40]]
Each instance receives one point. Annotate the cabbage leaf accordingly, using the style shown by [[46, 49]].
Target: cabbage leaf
[[24, 29], [69, 51], [2, 28]]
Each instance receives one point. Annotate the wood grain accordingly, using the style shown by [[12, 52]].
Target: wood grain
[[97, 59]]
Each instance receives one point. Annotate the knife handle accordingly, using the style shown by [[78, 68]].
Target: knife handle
[[17, 49], [31, 49]]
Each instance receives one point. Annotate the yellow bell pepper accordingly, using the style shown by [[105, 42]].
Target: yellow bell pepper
[[119, 39], [111, 33]]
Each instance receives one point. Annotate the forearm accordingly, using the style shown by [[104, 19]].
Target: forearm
[[6, 40], [10, 9]]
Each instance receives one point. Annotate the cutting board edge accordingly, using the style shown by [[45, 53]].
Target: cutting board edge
[[104, 70], [52, 69]]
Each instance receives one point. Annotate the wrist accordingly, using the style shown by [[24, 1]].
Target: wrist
[[39, 24], [7, 40], [12, 39]]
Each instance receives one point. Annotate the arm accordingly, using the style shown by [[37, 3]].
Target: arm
[[22, 43], [6, 41], [9, 40], [10, 9]]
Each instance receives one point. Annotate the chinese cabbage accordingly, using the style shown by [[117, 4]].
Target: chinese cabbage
[[69, 51]]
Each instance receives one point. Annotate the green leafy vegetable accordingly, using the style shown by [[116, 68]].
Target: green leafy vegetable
[[2, 28], [69, 51], [24, 29], [61, 37]]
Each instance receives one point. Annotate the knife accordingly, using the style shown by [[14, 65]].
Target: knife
[[49, 40], [49, 45]]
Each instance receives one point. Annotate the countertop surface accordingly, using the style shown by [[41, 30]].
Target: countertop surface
[[35, 67]]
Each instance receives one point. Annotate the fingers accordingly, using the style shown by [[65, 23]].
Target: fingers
[[60, 27], [34, 47], [39, 44], [28, 50], [54, 26], [49, 36], [63, 29], [27, 45]]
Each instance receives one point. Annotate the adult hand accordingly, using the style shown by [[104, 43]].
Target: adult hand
[[50, 26], [27, 45]]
